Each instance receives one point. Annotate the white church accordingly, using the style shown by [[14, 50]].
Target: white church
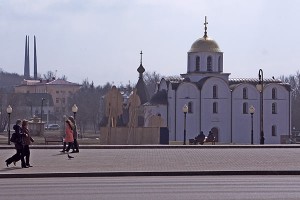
[[221, 104]]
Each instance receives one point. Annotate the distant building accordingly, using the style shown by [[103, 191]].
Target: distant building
[[220, 104], [30, 104], [60, 91]]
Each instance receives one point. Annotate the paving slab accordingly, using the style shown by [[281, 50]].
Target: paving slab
[[49, 162]]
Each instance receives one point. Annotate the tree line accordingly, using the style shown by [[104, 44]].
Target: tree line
[[294, 81]]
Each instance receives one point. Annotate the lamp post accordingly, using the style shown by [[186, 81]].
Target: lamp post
[[260, 87], [74, 110], [184, 110], [9, 111], [43, 99], [251, 111]]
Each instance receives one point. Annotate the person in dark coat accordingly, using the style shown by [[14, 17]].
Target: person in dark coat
[[18, 145], [200, 138]]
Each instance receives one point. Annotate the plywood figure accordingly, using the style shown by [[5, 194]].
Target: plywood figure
[[133, 104], [113, 106]]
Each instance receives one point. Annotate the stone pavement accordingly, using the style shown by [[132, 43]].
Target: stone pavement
[[164, 160]]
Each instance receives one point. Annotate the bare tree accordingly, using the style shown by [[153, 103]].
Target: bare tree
[[88, 101], [50, 75], [294, 81], [151, 79]]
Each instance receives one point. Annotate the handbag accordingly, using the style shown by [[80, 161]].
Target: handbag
[[14, 138]]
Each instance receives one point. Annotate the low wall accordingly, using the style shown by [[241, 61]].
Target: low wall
[[129, 136]]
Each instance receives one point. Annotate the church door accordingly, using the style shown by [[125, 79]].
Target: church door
[[215, 131]]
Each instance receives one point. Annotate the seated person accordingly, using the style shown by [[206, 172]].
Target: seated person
[[200, 138], [210, 137]]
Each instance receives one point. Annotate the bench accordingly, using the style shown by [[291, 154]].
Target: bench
[[56, 139], [201, 141], [212, 140]]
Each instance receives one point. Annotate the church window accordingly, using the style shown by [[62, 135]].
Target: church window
[[274, 93], [197, 63], [245, 93], [215, 92], [245, 108], [215, 107], [190, 107], [209, 64], [274, 108], [274, 130], [219, 64], [57, 100]]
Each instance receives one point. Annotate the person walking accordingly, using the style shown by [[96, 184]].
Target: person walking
[[75, 135], [27, 141], [18, 146], [69, 135]]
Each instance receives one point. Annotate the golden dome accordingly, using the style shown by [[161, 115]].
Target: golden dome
[[205, 44]]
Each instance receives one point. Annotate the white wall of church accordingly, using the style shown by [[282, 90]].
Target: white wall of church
[[241, 119], [280, 118], [217, 61], [171, 113], [187, 93], [220, 119]]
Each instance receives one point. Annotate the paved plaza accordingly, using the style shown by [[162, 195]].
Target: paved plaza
[[151, 160]]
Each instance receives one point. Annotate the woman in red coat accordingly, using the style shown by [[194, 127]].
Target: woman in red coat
[[69, 135], [27, 140]]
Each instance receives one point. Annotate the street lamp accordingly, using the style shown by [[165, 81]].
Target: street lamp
[[9, 111], [74, 110], [251, 111], [260, 88], [43, 99], [185, 109]]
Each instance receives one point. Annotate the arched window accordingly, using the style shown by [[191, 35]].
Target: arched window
[[274, 130], [190, 107], [197, 63], [209, 64], [219, 64], [215, 107], [274, 93], [215, 92], [245, 108], [274, 108], [245, 93]]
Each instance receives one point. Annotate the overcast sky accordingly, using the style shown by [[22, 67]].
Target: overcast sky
[[101, 39]]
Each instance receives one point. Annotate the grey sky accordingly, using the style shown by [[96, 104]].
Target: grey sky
[[101, 39]]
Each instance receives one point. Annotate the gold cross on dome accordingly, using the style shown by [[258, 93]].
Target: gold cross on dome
[[141, 57], [205, 27]]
